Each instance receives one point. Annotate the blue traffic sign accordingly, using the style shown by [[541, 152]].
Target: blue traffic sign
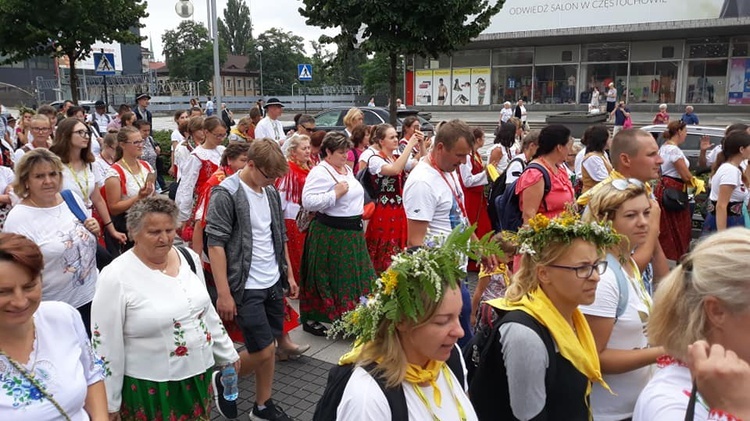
[[104, 64], [304, 72]]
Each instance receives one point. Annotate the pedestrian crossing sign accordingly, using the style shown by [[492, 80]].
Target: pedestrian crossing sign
[[305, 72], [104, 64]]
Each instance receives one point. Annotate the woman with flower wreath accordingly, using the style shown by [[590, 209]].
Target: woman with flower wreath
[[619, 315], [154, 325], [386, 232], [405, 331], [706, 297], [541, 331]]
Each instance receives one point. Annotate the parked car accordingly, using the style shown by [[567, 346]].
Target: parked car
[[333, 119], [691, 148], [88, 106]]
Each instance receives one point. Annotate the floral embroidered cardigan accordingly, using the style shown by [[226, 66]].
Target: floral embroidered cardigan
[[151, 326]]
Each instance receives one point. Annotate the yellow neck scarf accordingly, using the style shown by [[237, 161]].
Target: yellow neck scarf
[[577, 347]]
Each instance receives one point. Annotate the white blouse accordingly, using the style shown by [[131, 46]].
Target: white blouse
[[319, 195], [61, 360], [671, 154], [469, 179], [133, 182], [82, 184], [190, 174], [151, 326]]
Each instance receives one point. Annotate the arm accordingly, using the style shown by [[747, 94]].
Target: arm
[[293, 287], [526, 360], [482, 283], [618, 361], [532, 197], [101, 207], [184, 196], [397, 167], [723, 379], [596, 168], [96, 402], [472, 180], [416, 231], [117, 205], [705, 145], [725, 193]]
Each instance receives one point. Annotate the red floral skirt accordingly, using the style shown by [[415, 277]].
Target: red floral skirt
[[296, 244], [675, 227], [386, 235]]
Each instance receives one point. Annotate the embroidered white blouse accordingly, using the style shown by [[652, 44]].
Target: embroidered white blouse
[[151, 326], [318, 195]]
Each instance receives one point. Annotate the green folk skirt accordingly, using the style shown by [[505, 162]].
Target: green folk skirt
[[336, 271], [182, 400]]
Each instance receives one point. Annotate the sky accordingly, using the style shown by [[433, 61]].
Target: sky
[[283, 14]]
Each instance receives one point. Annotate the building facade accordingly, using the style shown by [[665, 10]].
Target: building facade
[[556, 52]]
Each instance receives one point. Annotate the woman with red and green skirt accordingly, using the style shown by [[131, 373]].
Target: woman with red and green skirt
[[386, 232]]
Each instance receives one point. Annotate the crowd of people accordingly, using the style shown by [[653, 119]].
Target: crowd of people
[[122, 295]]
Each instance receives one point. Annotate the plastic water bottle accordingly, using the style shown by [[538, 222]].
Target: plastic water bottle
[[229, 381]]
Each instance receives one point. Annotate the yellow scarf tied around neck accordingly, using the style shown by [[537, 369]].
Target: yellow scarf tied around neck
[[579, 349], [414, 373]]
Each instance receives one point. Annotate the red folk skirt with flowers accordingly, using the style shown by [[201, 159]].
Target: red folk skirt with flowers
[[180, 400], [206, 172], [291, 186], [675, 227], [476, 205], [386, 232]]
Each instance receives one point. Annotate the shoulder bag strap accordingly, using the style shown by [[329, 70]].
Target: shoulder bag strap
[[70, 200], [30, 377], [335, 180], [690, 413], [188, 258], [622, 285]]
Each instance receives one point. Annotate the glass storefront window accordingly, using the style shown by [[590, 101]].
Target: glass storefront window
[[653, 82], [706, 82], [521, 55], [605, 52], [471, 58], [556, 84], [511, 84], [600, 75]]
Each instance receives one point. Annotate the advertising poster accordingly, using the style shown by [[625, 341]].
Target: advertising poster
[[461, 87], [532, 15], [739, 82], [480, 81], [423, 87], [441, 80]]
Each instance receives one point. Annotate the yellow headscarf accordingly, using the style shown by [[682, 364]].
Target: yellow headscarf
[[577, 347]]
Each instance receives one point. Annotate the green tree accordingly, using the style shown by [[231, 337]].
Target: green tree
[[282, 52], [375, 75], [189, 52], [66, 29], [236, 29], [396, 28]]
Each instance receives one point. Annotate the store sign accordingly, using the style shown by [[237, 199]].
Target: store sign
[[535, 15], [88, 63], [739, 82]]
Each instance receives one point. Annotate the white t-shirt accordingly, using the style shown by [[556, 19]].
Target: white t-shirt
[[506, 114], [264, 271], [272, 129], [101, 167], [671, 154], [367, 154], [363, 400], [629, 332], [713, 154], [7, 176], [133, 183], [579, 163], [82, 184], [430, 197], [595, 167], [666, 396], [377, 163], [515, 168], [728, 175], [62, 360], [177, 136], [69, 250], [504, 160], [318, 195]]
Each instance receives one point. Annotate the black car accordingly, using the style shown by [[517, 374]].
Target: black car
[[332, 119]]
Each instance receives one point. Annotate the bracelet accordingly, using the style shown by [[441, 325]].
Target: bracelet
[[107, 223]]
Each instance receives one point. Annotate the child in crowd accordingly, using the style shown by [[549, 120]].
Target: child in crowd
[[491, 285]]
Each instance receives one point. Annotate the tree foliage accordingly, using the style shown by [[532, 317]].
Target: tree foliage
[[236, 29], [375, 75], [395, 27], [282, 52], [56, 29], [189, 52]]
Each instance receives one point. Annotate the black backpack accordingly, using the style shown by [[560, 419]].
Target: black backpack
[[339, 376], [486, 368], [363, 176], [496, 189], [508, 207]]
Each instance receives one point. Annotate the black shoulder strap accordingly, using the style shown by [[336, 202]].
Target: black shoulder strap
[[188, 258], [395, 396], [523, 318], [547, 180], [690, 413]]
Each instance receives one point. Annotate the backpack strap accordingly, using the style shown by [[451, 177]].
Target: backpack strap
[[622, 285], [456, 364], [188, 258], [70, 200], [123, 181], [547, 180], [395, 395], [523, 318]]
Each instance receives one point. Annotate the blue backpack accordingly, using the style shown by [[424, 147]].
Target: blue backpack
[[507, 206]]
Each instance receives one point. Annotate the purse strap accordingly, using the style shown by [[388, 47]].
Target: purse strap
[[30, 377], [690, 414]]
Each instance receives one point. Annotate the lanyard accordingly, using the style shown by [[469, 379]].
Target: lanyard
[[138, 181], [423, 398], [84, 192], [452, 187]]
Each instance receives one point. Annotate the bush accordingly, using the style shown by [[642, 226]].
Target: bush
[[164, 139]]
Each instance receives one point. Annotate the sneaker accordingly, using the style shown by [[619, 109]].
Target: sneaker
[[227, 409], [270, 413]]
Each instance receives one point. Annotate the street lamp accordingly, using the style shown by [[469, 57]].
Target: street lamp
[[260, 56], [199, 89], [293, 88]]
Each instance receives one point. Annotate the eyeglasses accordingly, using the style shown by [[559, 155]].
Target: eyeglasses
[[136, 143], [309, 129], [83, 133], [623, 183], [263, 173], [221, 135], [41, 129], [585, 271]]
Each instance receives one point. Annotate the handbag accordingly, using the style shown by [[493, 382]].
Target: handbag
[[304, 218], [674, 200]]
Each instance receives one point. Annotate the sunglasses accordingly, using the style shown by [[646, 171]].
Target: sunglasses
[[623, 183]]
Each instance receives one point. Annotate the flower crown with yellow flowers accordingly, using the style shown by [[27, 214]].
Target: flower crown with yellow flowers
[[397, 294], [566, 227]]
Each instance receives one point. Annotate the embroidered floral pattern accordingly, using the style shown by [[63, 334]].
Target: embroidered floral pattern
[[20, 388], [96, 341], [179, 340], [205, 330]]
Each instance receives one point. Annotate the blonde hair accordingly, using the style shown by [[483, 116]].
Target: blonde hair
[[291, 144], [26, 164], [607, 199], [717, 267], [386, 349], [351, 115], [525, 280]]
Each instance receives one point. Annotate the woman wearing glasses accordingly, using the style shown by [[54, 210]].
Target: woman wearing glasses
[[68, 244], [128, 180], [619, 315], [546, 356], [204, 160], [729, 183], [73, 146], [40, 132]]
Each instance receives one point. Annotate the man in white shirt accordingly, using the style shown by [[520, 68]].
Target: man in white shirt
[[210, 108], [434, 200], [270, 127], [99, 118]]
